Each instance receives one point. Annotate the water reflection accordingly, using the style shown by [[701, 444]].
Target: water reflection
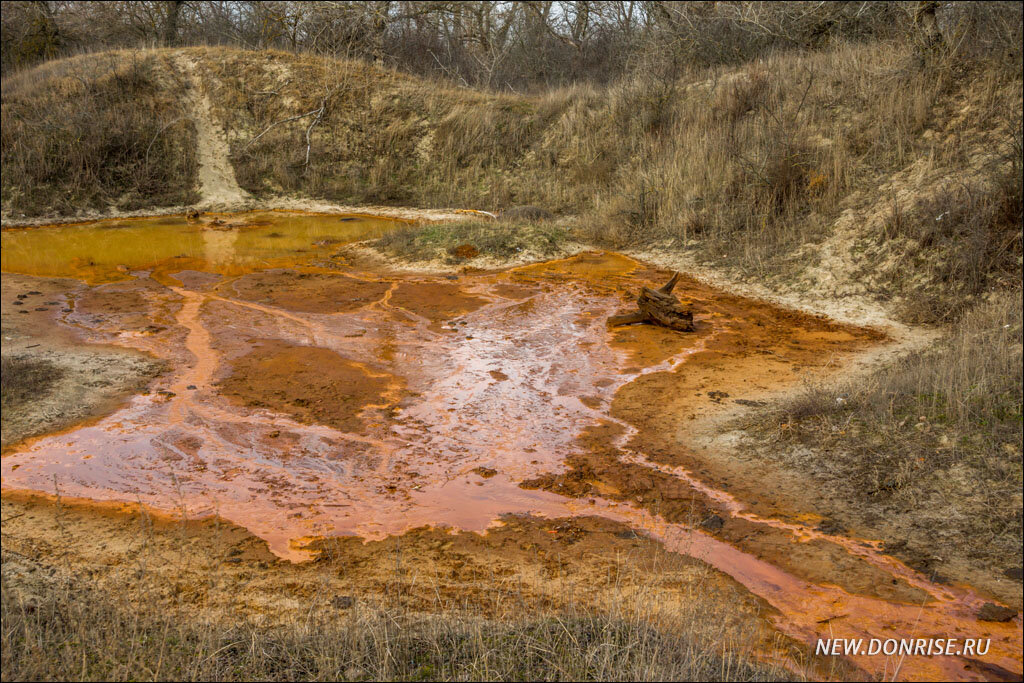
[[106, 251], [219, 247]]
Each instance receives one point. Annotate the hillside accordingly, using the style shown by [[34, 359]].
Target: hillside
[[106, 132], [833, 167]]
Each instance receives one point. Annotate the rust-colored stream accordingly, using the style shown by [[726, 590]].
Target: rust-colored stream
[[306, 402]]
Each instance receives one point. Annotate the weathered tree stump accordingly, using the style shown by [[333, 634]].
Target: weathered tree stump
[[658, 306]]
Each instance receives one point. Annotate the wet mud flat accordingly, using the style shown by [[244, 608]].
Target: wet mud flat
[[308, 399]]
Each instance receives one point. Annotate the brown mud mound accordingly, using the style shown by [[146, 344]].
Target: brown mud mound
[[309, 292], [312, 384], [196, 280], [121, 306], [435, 301]]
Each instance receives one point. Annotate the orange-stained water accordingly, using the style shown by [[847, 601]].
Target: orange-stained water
[[229, 244], [441, 378]]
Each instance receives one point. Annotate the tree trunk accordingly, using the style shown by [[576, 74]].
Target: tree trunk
[[170, 37], [928, 35], [658, 306]]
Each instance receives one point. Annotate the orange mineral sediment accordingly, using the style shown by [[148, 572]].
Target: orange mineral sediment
[[304, 403]]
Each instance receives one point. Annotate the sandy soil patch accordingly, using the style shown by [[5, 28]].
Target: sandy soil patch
[[88, 381]]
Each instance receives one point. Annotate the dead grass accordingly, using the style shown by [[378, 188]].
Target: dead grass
[[73, 631], [463, 240], [931, 444], [96, 131], [960, 242], [750, 164]]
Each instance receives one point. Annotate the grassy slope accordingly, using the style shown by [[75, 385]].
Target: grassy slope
[[781, 167], [93, 132], [926, 452], [752, 165]]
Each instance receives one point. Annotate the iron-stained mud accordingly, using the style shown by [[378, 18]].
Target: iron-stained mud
[[308, 400]]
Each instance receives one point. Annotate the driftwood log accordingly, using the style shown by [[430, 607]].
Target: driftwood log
[[658, 306]]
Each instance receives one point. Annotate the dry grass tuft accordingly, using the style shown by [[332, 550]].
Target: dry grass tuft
[[458, 241], [932, 441], [85, 634]]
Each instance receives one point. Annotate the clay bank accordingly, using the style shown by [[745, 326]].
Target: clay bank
[[307, 395]]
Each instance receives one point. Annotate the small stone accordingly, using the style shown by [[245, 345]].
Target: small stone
[[993, 612], [830, 526], [712, 523], [191, 387]]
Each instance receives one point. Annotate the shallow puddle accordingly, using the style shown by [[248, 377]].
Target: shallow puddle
[[305, 402], [229, 244]]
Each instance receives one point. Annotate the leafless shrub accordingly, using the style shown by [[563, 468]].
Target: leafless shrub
[[95, 131]]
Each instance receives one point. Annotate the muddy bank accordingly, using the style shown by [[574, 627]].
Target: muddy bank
[[314, 385], [727, 457], [213, 570], [52, 381], [286, 204], [318, 404]]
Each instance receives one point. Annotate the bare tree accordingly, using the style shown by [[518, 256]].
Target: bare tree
[[507, 45]]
